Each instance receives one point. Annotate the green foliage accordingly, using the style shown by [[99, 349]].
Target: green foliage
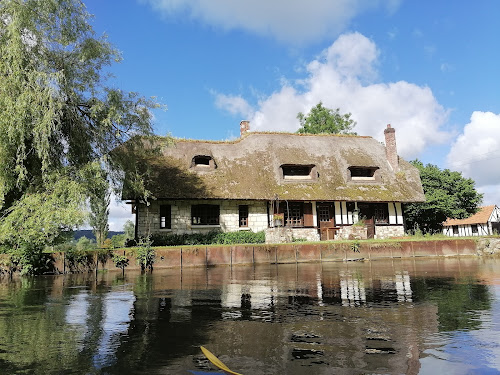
[[118, 240], [210, 238], [359, 223], [43, 217], [447, 194], [120, 261], [325, 120], [145, 254], [355, 246], [99, 194], [58, 117], [30, 260], [102, 255], [80, 256], [85, 244], [129, 229]]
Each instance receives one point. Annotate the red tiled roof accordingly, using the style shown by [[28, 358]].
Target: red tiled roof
[[480, 217]]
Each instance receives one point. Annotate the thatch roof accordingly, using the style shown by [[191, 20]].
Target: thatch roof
[[480, 217], [249, 168]]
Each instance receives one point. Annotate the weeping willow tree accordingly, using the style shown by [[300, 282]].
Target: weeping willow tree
[[99, 199], [58, 116]]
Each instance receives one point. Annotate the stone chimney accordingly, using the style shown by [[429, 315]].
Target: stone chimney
[[244, 127], [391, 151]]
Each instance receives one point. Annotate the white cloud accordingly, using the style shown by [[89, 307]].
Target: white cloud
[[344, 77], [491, 194], [476, 153], [119, 213], [294, 21], [233, 104]]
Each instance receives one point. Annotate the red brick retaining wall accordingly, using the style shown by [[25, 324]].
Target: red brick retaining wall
[[203, 256]]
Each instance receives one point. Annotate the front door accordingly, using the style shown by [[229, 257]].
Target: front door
[[367, 214], [326, 220]]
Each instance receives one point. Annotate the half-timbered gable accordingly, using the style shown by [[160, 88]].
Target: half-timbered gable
[[485, 222]]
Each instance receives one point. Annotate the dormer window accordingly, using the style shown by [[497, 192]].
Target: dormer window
[[363, 173], [298, 172], [203, 162]]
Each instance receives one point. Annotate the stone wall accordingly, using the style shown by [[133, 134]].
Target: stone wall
[[488, 246], [149, 217], [283, 235], [354, 232], [351, 232], [388, 231]]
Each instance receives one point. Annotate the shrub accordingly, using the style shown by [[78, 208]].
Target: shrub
[[120, 261], [145, 254], [31, 260], [210, 238]]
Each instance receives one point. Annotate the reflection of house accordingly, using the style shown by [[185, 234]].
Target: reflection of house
[[313, 183], [486, 221]]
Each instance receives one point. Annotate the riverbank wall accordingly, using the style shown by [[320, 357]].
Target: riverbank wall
[[239, 255]]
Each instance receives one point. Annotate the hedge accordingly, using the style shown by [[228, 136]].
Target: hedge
[[210, 238]]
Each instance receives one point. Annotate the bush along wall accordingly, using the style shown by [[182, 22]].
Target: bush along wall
[[210, 238]]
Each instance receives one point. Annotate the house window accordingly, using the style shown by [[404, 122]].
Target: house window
[[324, 213], [363, 173], [243, 211], [205, 214], [297, 172], [203, 162], [455, 229], [165, 216], [381, 213], [474, 228], [294, 214]]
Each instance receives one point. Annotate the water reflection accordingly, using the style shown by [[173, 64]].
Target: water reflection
[[378, 317]]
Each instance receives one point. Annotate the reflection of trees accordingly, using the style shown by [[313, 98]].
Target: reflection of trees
[[165, 327], [341, 316], [459, 303], [31, 333]]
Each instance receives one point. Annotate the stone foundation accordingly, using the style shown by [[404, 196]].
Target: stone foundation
[[351, 232], [354, 232], [389, 231], [283, 235]]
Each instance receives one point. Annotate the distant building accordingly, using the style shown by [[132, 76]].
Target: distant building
[[290, 185], [485, 222]]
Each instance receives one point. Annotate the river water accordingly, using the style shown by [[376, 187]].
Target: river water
[[433, 316]]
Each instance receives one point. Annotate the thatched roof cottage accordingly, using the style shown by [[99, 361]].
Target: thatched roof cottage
[[309, 186]]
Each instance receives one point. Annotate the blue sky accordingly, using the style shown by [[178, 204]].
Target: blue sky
[[428, 68]]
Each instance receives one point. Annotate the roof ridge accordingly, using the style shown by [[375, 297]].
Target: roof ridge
[[246, 135]]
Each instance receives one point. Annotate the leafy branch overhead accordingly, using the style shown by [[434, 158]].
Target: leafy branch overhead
[[325, 120]]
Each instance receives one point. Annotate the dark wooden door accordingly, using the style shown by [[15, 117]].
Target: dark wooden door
[[367, 213], [326, 221], [308, 215], [370, 227]]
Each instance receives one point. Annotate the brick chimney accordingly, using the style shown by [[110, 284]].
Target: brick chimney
[[390, 147], [244, 127]]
